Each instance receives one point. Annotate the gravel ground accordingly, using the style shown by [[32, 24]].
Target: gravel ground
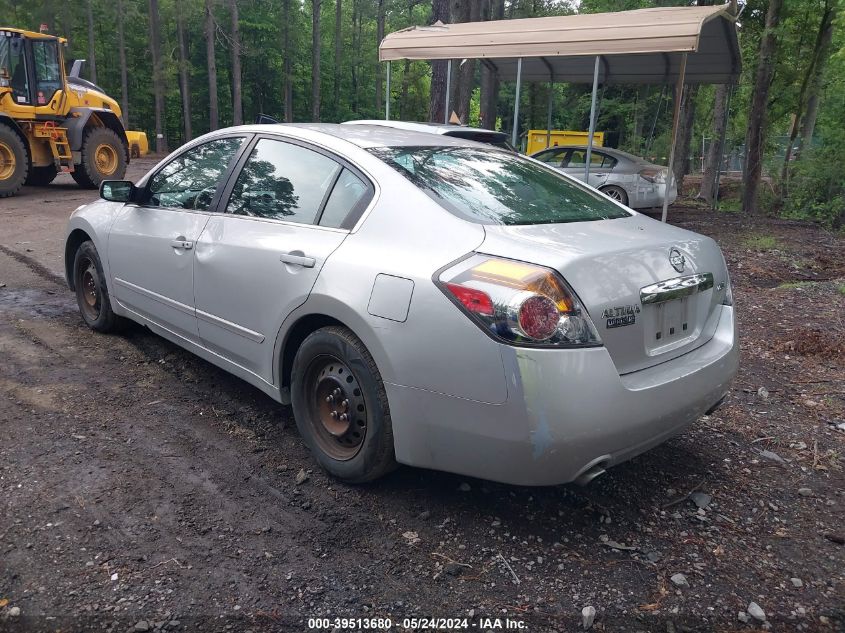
[[142, 488]]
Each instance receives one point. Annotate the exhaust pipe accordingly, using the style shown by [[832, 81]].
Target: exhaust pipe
[[592, 470]]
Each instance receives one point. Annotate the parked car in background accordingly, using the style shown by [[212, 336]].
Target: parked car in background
[[417, 298], [631, 180], [479, 135]]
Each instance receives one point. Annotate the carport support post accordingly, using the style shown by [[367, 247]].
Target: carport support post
[[592, 120], [549, 113], [387, 94], [676, 115], [515, 132], [448, 87]]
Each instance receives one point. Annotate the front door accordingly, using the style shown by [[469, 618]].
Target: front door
[[259, 260], [600, 168], [151, 243]]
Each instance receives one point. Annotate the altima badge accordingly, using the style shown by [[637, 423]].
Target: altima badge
[[677, 260]]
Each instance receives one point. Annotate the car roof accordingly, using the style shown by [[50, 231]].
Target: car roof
[[617, 153], [365, 136], [429, 128]]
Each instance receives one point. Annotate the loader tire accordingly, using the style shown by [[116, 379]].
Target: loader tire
[[14, 162], [41, 176], [103, 158]]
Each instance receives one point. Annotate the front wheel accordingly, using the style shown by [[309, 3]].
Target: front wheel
[[92, 294], [340, 406]]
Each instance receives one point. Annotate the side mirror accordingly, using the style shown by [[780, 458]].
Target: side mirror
[[117, 190]]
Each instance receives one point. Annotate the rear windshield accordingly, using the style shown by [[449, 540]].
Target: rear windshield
[[496, 187]]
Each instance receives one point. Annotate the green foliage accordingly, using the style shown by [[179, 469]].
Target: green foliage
[[816, 188]]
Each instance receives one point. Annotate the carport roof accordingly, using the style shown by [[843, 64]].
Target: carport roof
[[641, 46]]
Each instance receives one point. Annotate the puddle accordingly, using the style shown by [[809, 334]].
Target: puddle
[[37, 303]]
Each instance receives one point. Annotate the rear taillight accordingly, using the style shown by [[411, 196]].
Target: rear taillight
[[653, 175], [518, 303]]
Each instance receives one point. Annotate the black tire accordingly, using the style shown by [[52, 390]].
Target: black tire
[[617, 193], [41, 176], [354, 373], [14, 162], [92, 293], [93, 168]]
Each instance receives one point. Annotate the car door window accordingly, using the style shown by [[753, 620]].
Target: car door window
[[283, 181], [551, 157], [347, 201], [578, 158], [190, 180]]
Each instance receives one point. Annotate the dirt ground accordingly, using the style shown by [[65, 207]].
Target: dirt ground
[[142, 488]]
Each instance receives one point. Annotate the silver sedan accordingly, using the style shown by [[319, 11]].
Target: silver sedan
[[629, 179], [417, 299]]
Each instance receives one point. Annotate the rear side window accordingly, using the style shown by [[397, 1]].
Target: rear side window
[[348, 198], [282, 181], [496, 187]]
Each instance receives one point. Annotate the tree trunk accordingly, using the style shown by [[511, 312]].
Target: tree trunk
[[440, 10], [338, 51], [237, 98], [66, 23], [471, 12], [210, 33], [406, 84], [489, 78], [316, 6], [713, 160], [379, 38], [685, 131], [808, 124], [356, 48], [287, 63], [124, 76], [92, 60], [184, 83], [158, 77], [755, 136]]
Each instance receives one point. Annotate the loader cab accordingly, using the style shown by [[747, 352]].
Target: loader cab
[[31, 70]]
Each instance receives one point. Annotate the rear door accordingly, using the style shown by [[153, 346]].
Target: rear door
[[151, 243], [600, 166], [287, 208]]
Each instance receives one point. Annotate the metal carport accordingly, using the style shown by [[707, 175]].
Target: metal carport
[[681, 45]]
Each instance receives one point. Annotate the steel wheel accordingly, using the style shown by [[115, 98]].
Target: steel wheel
[[7, 161], [337, 409], [105, 156], [89, 280]]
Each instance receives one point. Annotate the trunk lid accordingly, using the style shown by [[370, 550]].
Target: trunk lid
[[646, 310]]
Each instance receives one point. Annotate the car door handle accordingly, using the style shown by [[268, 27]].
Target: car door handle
[[183, 244], [298, 260]]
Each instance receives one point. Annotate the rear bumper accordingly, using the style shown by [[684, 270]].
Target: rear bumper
[[566, 411], [646, 197]]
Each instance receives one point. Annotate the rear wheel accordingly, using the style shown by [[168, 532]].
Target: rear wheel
[[92, 294], [103, 158], [340, 406], [617, 193], [41, 176], [14, 163]]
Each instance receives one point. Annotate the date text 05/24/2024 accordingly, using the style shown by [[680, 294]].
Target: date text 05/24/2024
[[416, 624]]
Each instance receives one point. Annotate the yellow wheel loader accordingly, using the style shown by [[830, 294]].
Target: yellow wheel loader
[[52, 122]]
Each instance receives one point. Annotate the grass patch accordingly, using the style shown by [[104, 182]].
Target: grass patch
[[761, 242], [841, 289], [791, 285]]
